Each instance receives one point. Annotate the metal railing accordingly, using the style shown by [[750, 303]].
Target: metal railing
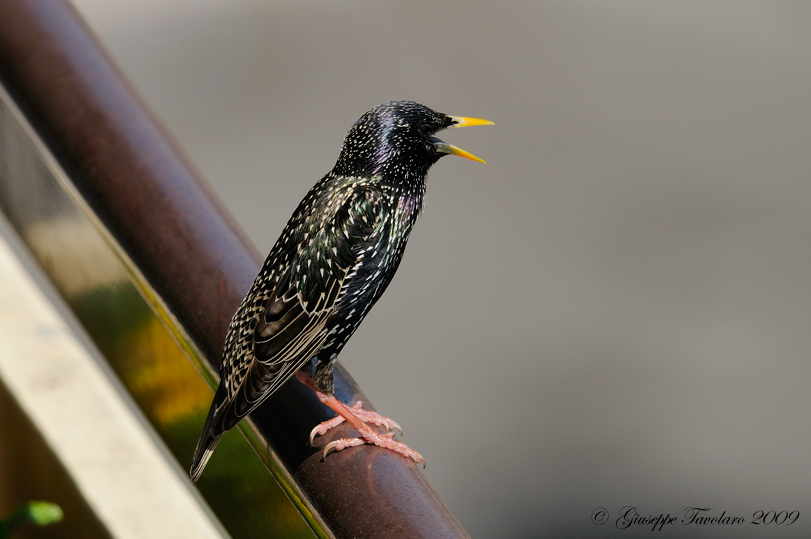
[[153, 267]]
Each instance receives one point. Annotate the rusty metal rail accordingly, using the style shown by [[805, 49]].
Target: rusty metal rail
[[119, 220]]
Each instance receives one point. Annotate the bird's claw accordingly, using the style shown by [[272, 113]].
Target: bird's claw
[[385, 441], [322, 428], [341, 444], [367, 416], [359, 419]]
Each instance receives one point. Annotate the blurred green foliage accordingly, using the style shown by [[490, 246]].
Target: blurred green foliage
[[39, 513]]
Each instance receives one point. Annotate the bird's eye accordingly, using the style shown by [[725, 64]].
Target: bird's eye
[[424, 130]]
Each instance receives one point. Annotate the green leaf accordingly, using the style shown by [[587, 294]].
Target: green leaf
[[44, 513]]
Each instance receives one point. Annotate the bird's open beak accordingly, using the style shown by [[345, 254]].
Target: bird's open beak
[[460, 121]]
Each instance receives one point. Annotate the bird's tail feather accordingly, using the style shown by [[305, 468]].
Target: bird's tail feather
[[205, 448], [212, 432]]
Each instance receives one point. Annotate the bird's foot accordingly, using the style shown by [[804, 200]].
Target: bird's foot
[[367, 416], [358, 418], [386, 441], [367, 435]]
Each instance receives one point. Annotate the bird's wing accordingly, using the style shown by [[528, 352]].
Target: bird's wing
[[293, 326]]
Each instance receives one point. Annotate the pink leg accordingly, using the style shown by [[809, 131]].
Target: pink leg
[[357, 417]]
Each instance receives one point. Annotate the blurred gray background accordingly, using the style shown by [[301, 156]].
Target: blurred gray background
[[615, 309]]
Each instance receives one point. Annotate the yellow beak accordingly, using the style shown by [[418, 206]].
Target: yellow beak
[[461, 121], [444, 147]]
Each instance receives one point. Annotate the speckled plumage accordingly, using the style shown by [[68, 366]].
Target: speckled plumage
[[333, 261]]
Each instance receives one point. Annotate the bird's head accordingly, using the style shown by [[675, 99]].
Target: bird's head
[[397, 139]]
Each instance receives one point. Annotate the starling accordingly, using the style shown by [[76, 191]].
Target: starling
[[333, 261]]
